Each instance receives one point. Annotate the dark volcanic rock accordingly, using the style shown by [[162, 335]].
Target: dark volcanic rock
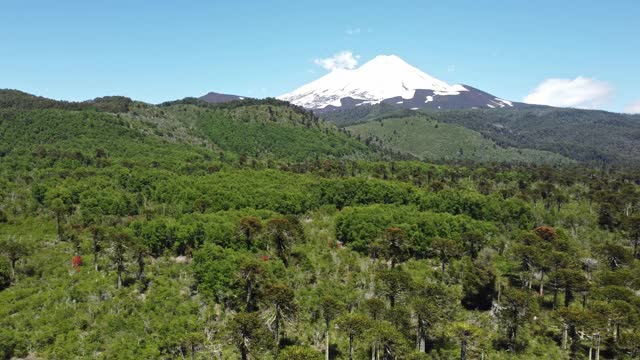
[[214, 97]]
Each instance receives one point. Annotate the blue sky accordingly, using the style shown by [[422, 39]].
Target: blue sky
[[162, 50]]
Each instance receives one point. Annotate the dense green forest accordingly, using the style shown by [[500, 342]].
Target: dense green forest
[[428, 139], [588, 136], [255, 230], [591, 137]]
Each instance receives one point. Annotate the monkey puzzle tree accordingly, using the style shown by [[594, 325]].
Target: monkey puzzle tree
[[331, 308], [595, 323], [571, 281], [393, 283], [248, 334], [140, 251], [632, 226], [282, 308], [445, 250], [250, 274], [621, 314], [59, 208], [249, 228], [97, 237], [374, 308], [615, 255], [478, 284], [60, 201], [557, 262], [516, 307], [527, 253], [120, 243], [14, 249], [353, 326], [473, 242], [395, 245], [432, 304], [631, 342], [571, 318], [465, 332], [387, 340], [607, 216], [94, 219], [283, 234]]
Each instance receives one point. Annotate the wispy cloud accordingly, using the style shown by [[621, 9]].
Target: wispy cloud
[[352, 31], [342, 60], [581, 92], [633, 108]]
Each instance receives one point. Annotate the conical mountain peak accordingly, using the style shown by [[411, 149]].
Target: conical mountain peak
[[390, 79], [383, 77]]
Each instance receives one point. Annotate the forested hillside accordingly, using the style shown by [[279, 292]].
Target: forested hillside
[[587, 136], [14, 99], [427, 139], [265, 128], [254, 230]]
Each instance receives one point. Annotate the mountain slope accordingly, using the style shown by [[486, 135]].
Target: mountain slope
[[214, 97], [588, 136], [431, 140], [391, 80], [250, 128], [262, 129], [15, 99]]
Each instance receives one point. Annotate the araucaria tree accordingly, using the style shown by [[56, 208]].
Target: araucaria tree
[[14, 249], [445, 250], [281, 308], [395, 246], [283, 232], [120, 241], [331, 308], [249, 334], [250, 274], [249, 228], [515, 309], [393, 283], [353, 326]]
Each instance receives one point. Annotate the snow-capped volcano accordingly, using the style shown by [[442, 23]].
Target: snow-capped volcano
[[387, 78]]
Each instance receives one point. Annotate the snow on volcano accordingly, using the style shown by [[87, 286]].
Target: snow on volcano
[[387, 77]]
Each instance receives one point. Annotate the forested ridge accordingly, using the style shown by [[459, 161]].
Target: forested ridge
[[255, 230], [431, 140], [590, 137]]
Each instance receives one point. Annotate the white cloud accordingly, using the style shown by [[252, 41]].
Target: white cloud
[[633, 108], [353, 31], [341, 60], [581, 92]]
